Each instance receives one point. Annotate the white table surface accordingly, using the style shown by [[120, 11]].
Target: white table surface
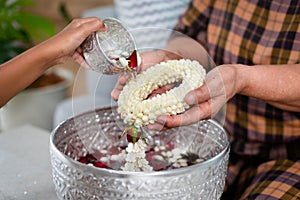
[[25, 169]]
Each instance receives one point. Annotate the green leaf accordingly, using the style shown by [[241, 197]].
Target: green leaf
[[19, 28], [64, 12], [11, 49], [134, 134], [16, 3], [39, 28], [13, 19]]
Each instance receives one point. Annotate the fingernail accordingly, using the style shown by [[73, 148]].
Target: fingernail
[[189, 99], [155, 126], [151, 127], [162, 119]]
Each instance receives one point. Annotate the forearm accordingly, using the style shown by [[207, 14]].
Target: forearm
[[22, 70], [278, 85]]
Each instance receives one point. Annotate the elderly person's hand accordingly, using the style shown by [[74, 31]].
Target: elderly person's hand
[[205, 101], [224, 81]]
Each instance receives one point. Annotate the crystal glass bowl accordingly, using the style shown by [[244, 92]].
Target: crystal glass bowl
[[97, 46], [101, 128]]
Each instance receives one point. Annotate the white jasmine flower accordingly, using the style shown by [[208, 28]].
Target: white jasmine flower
[[136, 157], [123, 61]]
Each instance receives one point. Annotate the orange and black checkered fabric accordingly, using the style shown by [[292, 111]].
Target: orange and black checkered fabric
[[254, 32]]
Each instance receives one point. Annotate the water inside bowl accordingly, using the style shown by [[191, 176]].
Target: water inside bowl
[[97, 135]]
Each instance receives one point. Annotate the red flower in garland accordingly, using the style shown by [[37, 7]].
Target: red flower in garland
[[132, 134]]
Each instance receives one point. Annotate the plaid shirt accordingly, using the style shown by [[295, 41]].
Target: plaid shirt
[[251, 32], [265, 141]]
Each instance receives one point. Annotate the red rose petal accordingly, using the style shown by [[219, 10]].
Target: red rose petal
[[83, 160], [170, 146], [100, 165], [133, 64], [89, 158]]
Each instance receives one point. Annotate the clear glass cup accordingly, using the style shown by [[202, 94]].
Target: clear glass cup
[[97, 47]]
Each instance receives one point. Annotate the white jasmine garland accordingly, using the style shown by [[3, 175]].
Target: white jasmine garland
[[136, 157], [133, 105], [136, 110]]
